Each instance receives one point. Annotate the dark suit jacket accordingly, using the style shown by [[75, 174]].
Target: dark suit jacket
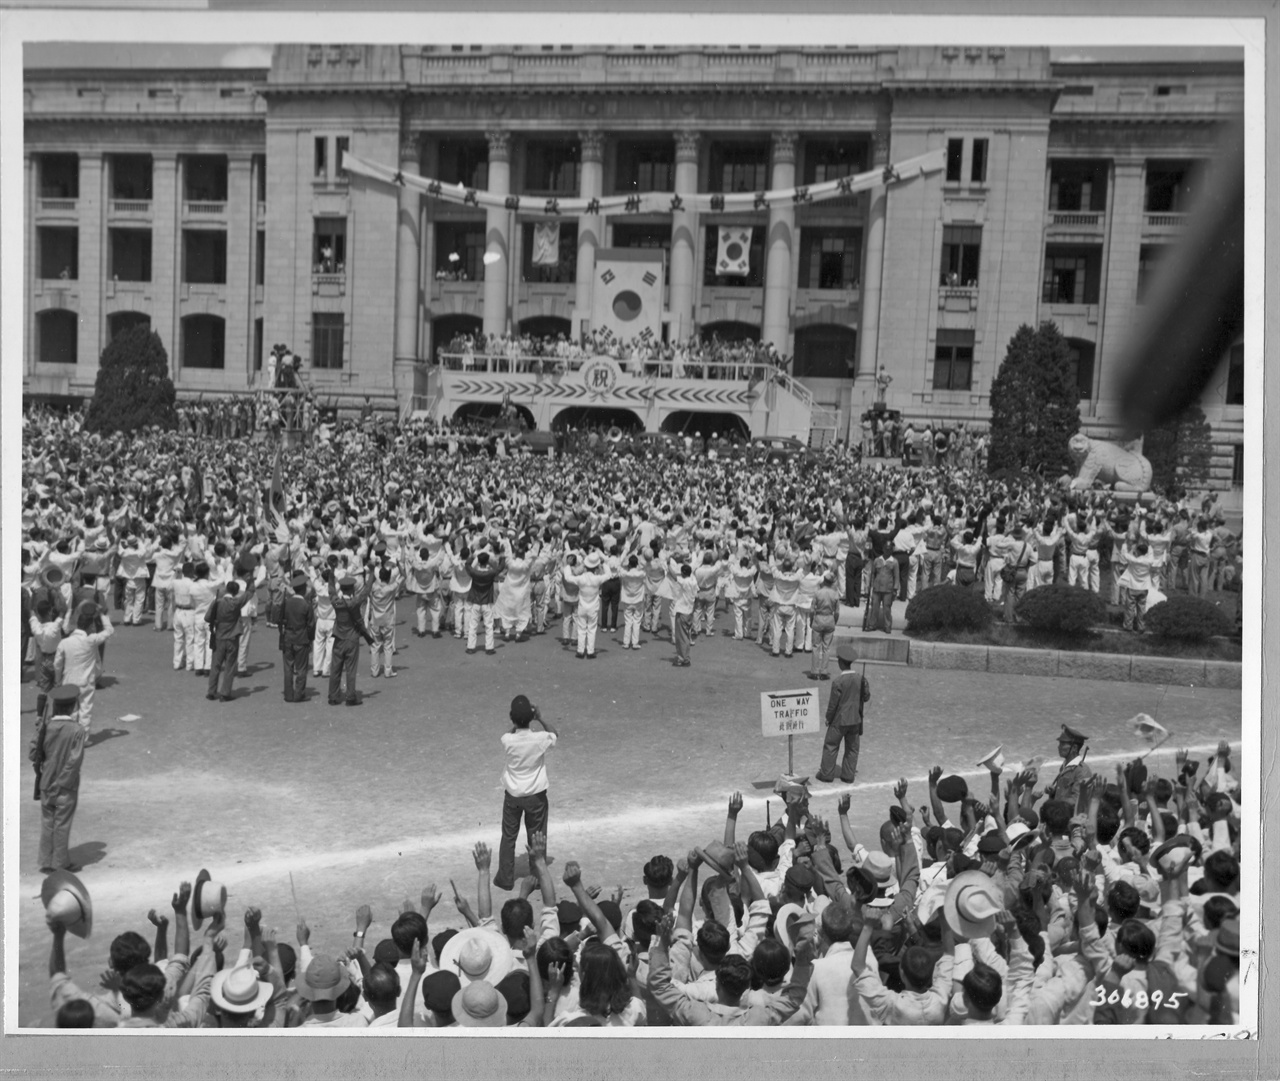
[[297, 623]]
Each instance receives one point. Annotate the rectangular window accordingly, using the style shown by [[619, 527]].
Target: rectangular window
[[830, 258], [342, 145], [321, 169], [552, 167], [647, 166], [129, 255], [260, 170], [131, 177], [257, 344], [955, 160], [1078, 185], [1149, 256], [831, 160], [961, 248], [1071, 274], [1168, 186], [204, 256], [755, 260], [635, 234], [953, 360], [1082, 355], [564, 269], [204, 340], [1235, 375], [205, 178], [326, 340], [460, 251], [739, 167], [978, 167], [59, 176], [464, 162], [329, 254], [59, 253], [260, 259]]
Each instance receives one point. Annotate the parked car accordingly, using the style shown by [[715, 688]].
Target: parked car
[[781, 448]]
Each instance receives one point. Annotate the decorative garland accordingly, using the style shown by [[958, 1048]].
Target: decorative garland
[[649, 202]]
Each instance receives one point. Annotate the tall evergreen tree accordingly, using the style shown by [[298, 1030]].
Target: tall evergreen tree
[[133, 389], [1035, 404]]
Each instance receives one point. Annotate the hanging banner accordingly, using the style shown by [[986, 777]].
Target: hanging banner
[[626, 297], [733, 255], [650, 202], [546, 243]]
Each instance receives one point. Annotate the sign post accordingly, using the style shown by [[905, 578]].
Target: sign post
[[790, 713]]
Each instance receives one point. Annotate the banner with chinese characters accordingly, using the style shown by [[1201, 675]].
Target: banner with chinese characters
[[649, 202]]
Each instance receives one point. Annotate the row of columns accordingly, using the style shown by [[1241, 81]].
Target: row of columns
[[779, 242]]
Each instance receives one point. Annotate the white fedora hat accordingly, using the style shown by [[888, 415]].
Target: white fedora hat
[[993, 760], [67, 901], [238, 990], [477, 953], [207, 899], [788, 924], [971, 905]]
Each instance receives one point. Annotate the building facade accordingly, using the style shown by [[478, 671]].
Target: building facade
[[213, 205]]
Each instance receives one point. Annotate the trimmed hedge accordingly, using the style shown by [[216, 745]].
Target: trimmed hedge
[[1062, 608], [948, 607], [1192, 619]]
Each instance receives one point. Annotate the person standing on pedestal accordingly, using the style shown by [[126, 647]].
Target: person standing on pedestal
[[524, 780]]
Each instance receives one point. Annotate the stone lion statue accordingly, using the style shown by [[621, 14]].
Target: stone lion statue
[[1108, 464]]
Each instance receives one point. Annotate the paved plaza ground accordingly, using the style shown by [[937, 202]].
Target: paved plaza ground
[[367, 805]]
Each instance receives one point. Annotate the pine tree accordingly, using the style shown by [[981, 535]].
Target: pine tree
[[1035, 404], [133, 389], [1180, 452]]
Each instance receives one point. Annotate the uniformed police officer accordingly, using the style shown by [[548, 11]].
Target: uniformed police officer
[[1073, 773], [850, 692]]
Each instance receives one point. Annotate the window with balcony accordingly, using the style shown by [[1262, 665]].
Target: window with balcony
[[552, 167], [1082, 357], [739, 167], [129, 255], [830, 258], [565, 251], [59, 253], [978, 164], [1149, 257], [635, 234], [131, 177], [465, 162], [56, 334], [1079, 186], [329, 246], [1168, 186], [260, 259], [953, 360], [961, 251], [955, 160], [203, 341], [326, 340], [1235, 375], [826, 160], [59, 176], [645, 166], [204, 256], [755, 260], [460, 251], [205, 178], [1071, 274]]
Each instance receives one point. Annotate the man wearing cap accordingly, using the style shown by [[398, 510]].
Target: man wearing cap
[[588, 579], [850, 691], [348, 629], [524, 781], [78, 661], [57, 752], [297, 633], [224, 618], [1073, 772]]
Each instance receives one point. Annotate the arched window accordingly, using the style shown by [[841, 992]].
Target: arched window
[[826, 351], [56, 333], [203, 341], [448, 327], [119, 322]]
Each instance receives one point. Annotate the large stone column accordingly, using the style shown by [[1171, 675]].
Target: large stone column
[[684, 237], [497, 236], [590, 226], [1127, 195], [408, 257], [873, 268], [778, 243]]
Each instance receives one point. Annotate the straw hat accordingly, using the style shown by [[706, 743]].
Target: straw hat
[[477, 953], [971, 905], [207, 899], [789, 925], [479, 1005], [67, 901], [325, 979], [238, 990]]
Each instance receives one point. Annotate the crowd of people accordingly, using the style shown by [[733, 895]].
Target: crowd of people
[[1062, 902], [643, 355]]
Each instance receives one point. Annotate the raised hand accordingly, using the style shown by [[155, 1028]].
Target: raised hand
[[1224, 749], [935, 775], [364, 917], [482, 856], [417, 959], [593, 892], [538, 847], [900, 789], [304, 932], [157, 920], [253, 918], [572, 874], [111, 980], [430, 898], [843, 804], [693, 859], [555, 976], [529, 946], [740, 853], [182, 897], [666, 928], [735, 804]]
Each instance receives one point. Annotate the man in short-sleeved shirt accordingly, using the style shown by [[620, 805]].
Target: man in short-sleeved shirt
[[525, 780]]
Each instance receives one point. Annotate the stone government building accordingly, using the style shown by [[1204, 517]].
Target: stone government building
[[212, 205]]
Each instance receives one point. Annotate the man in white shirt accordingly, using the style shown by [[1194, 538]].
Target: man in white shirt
[[525, 780]]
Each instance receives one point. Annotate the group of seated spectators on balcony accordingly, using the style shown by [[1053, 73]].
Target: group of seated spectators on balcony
[[693, 358]]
